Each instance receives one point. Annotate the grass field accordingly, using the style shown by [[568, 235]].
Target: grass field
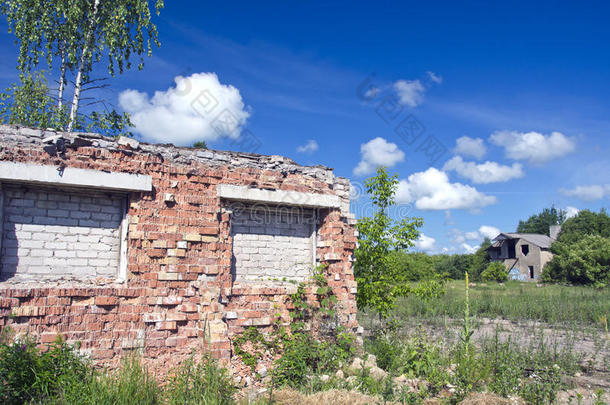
[[553, 304]]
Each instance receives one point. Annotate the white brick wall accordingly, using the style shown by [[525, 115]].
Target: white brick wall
[[51, 234], [272, 244]]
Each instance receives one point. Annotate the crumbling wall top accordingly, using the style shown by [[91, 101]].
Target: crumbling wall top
[[11, 135]]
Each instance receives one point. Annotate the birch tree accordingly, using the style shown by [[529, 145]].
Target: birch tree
[[75, 37]]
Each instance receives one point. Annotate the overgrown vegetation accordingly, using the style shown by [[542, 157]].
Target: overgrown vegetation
[[59, 375], [28, 375], [452, 370], [200, 145], [418, 365], [200, 382], [300, 354]]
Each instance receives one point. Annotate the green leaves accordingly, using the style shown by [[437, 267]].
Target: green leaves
[[380, 283], [29, 103], [495, 271], [200, 145], [586, 261], [582, 252], [73, 37], [49, 28]]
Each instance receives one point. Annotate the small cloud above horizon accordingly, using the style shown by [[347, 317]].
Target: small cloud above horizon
[[571, 212], [589, 193], [425, 243], [470, 147], [377, 152], [310, 147], [410, 92], [533, 147], [438, 79], [484, 173]]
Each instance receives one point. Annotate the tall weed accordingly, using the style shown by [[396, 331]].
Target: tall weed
[[200, 383]]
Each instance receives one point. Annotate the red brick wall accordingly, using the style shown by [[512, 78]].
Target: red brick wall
[[176, 298]]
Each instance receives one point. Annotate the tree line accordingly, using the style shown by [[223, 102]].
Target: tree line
[[581, 253]]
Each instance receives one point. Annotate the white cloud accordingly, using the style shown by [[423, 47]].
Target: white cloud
[[372, 92], [484, 173], [425, 243], [474, 235], [571, 212], [431, 190], [310, 147], [588, 193], [487, 231], [198, 108], [459, 237], [470, 147], [410, 92], [469, 248], [378, 152], [438, 79], [533, 147], [456, 235]]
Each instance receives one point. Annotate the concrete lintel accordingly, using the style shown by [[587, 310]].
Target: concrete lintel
[[280, 197], [51, 175]]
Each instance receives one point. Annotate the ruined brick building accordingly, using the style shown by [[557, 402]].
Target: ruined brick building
[[124, 246]]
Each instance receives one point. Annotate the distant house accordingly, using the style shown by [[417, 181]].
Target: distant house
[[523, 254]]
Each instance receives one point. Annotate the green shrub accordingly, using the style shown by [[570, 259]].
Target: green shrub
[[200, 383], [59, 375], [495, 271], [586, 261], [414, 356], [541, 389], [471, 372], [28, 375], [304, 355]]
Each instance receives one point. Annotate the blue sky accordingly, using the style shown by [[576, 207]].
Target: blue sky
[[525, 86]]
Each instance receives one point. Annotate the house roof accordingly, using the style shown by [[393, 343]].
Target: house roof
[[542, 241]]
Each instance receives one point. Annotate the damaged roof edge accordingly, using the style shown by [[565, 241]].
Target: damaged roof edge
[[177, 154], [542, 241]]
